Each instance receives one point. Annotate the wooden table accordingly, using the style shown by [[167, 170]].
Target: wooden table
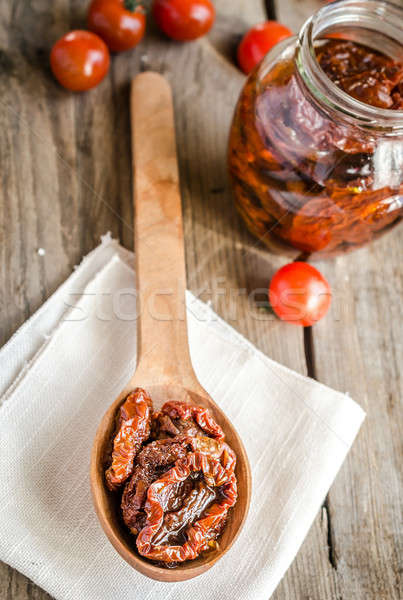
[[65, 180]]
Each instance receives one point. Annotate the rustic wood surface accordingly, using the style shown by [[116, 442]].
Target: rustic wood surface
[[66, 179]]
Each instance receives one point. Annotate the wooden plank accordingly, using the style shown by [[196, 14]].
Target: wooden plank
[[294, 13], [66, 180], [83, 141], [66, 173], [311, 575], [358, 350], [51, 197], [14, 586]]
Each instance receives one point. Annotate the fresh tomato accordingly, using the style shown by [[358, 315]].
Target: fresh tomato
[[299, 294], [258, 41], [79, 60], [120, 23], [184, 20]]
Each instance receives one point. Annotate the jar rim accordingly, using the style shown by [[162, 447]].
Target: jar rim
[[362, 13]]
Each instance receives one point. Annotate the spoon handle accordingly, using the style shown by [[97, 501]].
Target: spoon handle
[[162, 352]]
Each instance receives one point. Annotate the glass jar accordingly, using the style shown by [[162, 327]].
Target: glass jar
[[313, 168]]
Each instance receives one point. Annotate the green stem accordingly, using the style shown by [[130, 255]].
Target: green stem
[[132, 5]]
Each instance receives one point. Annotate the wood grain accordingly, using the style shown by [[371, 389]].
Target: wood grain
[[163, 349], [364, 505], [358, 350], [66, 180]]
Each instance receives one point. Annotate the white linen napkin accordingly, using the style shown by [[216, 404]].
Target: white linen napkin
[[58, 375]]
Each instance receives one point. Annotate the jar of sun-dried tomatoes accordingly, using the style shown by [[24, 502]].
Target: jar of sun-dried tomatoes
[[316, 145]]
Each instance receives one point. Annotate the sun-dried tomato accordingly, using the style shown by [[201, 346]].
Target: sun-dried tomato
[[185, 477], [198, 533], [364, 74], [186, 412], [150, 464], [133, 429], [163, 426], [158, 457]]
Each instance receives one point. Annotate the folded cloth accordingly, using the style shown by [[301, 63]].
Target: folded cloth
[[65, 366]]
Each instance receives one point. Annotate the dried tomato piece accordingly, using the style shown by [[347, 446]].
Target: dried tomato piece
[[156, 458], [216, 449], [187, 412], [164, 426], [199, 533], [363, 73], [191, 505], [185, 478], [134, 423], [150, 464]]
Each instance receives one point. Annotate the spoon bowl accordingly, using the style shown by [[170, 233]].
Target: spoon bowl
[[164, 368], [107, 503]]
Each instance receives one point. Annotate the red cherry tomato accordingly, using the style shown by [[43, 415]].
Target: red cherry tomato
[[258, 41], [299, 294], [184, 20], [79, 60], [120, 23]]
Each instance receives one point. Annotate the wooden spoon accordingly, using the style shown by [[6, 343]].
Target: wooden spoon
[[164, 367]]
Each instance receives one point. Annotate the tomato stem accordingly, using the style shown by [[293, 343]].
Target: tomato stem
[[133, 5]]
